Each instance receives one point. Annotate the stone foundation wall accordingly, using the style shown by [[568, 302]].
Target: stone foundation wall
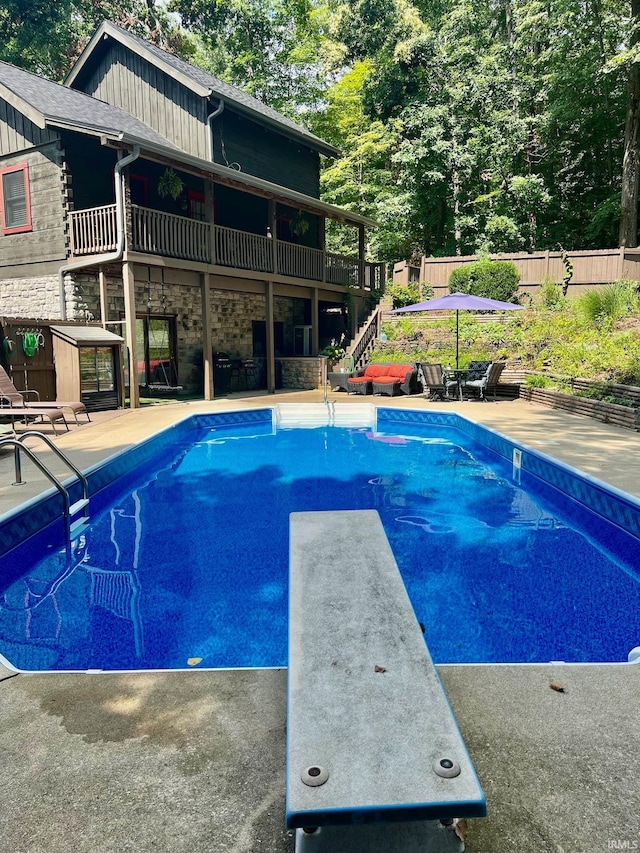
[[304, 374], [233, 314], [35, 298]]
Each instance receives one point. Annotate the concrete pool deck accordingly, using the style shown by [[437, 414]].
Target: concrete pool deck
[[194, 761]]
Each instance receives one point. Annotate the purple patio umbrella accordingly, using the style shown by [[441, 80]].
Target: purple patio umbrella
[[459, 302]]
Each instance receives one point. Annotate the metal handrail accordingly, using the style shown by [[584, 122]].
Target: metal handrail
[[60, 455], [18, 445]]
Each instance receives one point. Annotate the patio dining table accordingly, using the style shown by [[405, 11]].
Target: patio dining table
[[459, 374]]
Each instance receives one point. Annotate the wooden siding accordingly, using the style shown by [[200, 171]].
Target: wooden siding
[[129, 82], [47, 240], [259, 151], [17, 132]]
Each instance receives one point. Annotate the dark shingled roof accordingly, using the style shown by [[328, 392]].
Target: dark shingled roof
[[59, 104], [202, 78]]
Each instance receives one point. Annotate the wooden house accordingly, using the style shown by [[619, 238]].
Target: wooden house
[[149, 196]]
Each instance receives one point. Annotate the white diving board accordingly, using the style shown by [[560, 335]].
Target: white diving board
[[366, 711]]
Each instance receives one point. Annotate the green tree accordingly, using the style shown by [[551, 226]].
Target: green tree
[[269, 48], [47, 37]]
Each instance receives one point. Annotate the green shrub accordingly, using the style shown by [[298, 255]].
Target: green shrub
[[404, 294], [493, 279], [605, 306], [535, 380], [408, 294], [551, 295]]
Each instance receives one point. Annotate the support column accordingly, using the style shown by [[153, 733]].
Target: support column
[[271, 356], [323, 246], [354, 313], [104, 311], [207, 348], [315, 323], [361, 255], [130, 326], [273, 225], [209, 191]]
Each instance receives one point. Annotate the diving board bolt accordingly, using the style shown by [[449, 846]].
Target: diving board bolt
[[314, 776], [446, 767]]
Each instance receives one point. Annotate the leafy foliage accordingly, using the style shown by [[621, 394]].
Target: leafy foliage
[[47, 36], [493, 279], [605, 306], [557, 342], [465, 125]]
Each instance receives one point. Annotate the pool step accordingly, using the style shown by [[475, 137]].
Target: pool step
[[79, 525], [319, 414], [76, 507]]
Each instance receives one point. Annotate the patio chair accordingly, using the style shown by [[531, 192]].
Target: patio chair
[[433, 382], [19, 399], [486, 383]]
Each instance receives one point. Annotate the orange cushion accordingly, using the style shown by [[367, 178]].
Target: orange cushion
[[387, 380], [397, 371], [372, 371]]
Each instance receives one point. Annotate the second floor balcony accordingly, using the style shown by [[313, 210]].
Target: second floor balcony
[[93, 231]]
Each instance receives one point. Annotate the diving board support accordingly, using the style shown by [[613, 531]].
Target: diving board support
[[365, 706]]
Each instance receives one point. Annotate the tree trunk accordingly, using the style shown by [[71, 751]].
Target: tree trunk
[[631, 157]]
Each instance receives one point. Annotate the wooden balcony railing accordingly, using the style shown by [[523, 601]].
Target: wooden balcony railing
[[154, 232], [93, 231], [341, 270], [299, 261], [242, 250], [158, 233]]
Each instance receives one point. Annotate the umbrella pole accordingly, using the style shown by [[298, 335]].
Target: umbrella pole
[[457, 338]]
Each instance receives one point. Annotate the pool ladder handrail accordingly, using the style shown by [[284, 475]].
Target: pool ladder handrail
[[69, 510]]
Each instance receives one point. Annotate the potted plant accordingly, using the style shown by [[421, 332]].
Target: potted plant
[[333, 352]]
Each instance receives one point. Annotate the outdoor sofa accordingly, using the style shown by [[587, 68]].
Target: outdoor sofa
[[385, 379]]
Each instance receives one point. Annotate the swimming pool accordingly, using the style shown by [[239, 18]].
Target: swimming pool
[[185, 563]]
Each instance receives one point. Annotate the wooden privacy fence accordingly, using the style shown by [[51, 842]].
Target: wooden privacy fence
[[590, 268]]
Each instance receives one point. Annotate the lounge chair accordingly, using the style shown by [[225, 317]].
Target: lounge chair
[[19, 399], [487, 382], [28, 413], [7, 431], [433, 382]]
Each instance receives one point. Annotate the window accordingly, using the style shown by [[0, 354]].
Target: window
[[195, 206], [16, 203], [97, 370], [259, 328], [284, 230], [139, 190]]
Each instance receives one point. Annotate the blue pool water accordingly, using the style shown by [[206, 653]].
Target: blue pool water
[[186, 560]]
